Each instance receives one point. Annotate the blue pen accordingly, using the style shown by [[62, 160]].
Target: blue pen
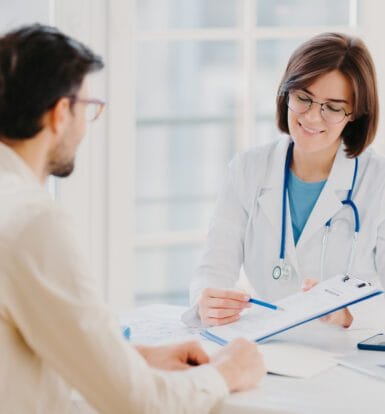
[[265, 304], [126, 331]]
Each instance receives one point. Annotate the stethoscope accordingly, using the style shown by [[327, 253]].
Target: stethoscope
[[282, 271]]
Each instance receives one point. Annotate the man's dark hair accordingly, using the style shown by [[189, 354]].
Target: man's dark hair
[[38, 66]]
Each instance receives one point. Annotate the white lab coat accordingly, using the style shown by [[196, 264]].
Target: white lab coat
[[246, 227]]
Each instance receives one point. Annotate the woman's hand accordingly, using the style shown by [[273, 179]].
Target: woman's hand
[[221, 306], [341, 318]]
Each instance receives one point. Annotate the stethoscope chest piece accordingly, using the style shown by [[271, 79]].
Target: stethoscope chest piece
[[282, 272], [277, 272]]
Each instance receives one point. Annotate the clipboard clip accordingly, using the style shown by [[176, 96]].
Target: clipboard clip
[[361, 283]]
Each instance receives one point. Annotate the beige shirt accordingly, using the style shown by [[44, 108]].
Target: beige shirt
[[55, 332]]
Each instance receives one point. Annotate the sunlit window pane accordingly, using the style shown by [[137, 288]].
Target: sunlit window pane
[[165, 273], [188, 14], [179, 170], [186, 78], [187, 106], [302, 12], [271, 60]]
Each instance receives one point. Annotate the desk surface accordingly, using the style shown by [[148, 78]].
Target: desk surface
[[337, 390]]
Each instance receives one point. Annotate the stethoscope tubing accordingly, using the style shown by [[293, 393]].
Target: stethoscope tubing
[[348, 202], [289, 155]]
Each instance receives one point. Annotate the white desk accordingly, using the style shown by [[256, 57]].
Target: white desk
[[337, 390]]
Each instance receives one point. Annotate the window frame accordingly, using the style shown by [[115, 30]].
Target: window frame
[[104, 213]]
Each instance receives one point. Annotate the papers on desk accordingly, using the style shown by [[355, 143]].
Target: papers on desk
[[289, 359], [367, 362], [295, 360], [158, 324], [259, 323]]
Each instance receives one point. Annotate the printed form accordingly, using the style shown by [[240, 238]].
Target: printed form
[[260, 323]]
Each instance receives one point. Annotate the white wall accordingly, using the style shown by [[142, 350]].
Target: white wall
[[371, 21], [14, 13]]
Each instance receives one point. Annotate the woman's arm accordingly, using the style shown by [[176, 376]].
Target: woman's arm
[[212, 295]]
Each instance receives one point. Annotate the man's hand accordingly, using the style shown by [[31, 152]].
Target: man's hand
[[341, 318], [174, 357], [241, 364]]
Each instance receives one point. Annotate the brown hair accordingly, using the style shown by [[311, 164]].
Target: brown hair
[[336, 51]]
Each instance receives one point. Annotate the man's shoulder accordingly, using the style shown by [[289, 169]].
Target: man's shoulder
[[23, 208], [37, 231]]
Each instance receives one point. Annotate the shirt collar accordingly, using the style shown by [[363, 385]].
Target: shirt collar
[[11, 162], [340, 177]]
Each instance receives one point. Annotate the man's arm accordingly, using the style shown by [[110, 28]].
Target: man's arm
[[56, 309]]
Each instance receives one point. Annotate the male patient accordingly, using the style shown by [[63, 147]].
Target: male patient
[[55, 333]]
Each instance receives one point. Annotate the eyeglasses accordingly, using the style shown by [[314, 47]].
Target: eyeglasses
[[331, 112], [94, 107]]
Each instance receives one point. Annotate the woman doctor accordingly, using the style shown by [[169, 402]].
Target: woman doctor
[[309, 206]]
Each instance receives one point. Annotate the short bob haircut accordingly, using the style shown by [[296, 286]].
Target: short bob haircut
[[336, 51]]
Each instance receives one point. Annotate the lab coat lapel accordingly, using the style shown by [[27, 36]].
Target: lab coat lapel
[[290, 246], [270, 201], [270, 193], [329, 202]]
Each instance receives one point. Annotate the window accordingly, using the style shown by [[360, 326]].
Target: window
[[207, 72]]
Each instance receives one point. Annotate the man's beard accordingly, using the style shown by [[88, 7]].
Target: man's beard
[[60, 164], [60, 167], [62, 170]]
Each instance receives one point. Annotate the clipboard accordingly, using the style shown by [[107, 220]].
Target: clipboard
[[258, 324]]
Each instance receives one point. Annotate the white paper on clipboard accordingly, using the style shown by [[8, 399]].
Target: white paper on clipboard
[[329, 296]]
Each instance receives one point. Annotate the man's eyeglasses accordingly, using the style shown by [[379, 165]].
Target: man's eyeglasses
[[331, 112], [94, 107]]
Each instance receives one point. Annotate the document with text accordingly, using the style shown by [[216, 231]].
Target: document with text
[[258, 324]]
